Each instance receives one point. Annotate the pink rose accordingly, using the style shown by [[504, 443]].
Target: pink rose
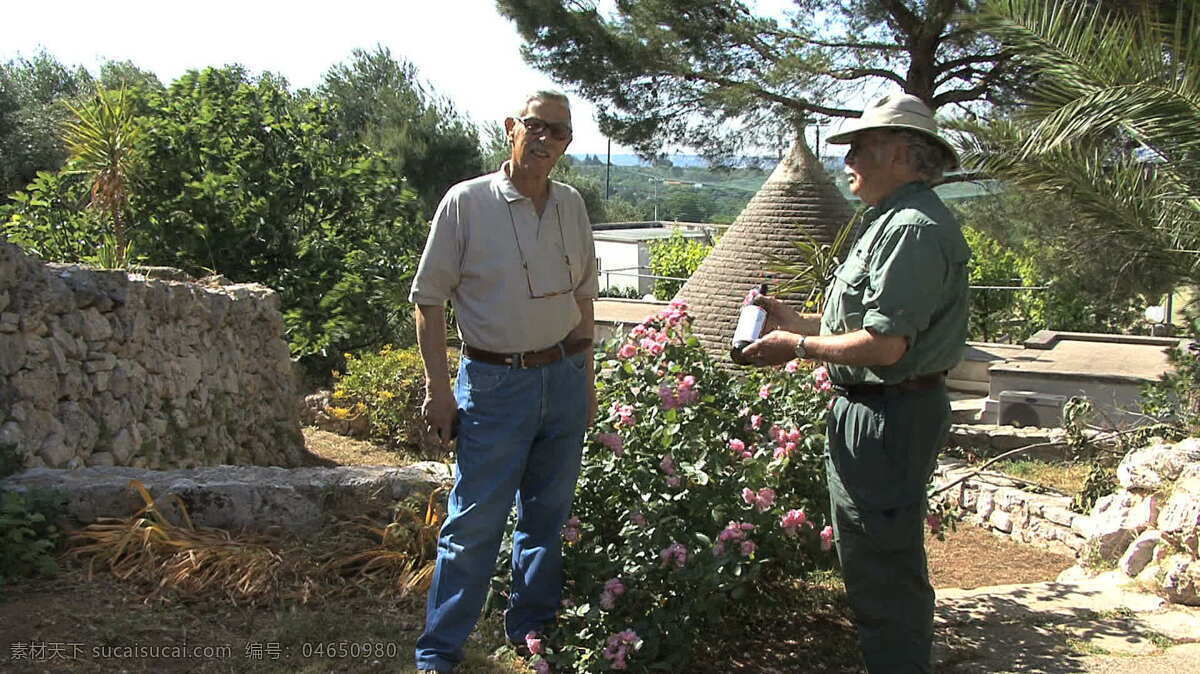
[[674, 554], [765, 499], [792, 520], [821, 379], [638, 519], [607, 600], [617, 647], [765, 391], [756, 421], [533, 643], [827, 538], [792, 366], [627, 350], [668, 398], [612, 441], [748, 548], [615, 586], [934, 522]]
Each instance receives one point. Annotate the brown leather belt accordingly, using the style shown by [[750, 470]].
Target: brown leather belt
[[529, 358], [923, 382]]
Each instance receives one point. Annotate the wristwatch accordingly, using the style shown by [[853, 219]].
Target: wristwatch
[[801, 352]]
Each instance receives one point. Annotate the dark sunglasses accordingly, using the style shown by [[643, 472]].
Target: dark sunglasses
[[537, 126]]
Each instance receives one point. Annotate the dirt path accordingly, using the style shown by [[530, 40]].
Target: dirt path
[[1088, 625]]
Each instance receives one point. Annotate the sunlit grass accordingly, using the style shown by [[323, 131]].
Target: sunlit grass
[[1065, 477]]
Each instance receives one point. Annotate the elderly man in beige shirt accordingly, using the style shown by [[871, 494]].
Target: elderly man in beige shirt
[[512, 251]]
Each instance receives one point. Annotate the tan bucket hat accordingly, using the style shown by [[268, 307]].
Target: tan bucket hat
[[896, 111]]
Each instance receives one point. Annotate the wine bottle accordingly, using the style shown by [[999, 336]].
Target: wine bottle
[[749, 326]]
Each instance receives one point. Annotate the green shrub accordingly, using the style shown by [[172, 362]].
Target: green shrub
[[675, 256], [1175, 398], [28, 535], [244, 178], [627, 292], [388, 386], [685, 487]]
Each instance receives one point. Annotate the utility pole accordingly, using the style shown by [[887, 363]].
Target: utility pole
[[608, 172]]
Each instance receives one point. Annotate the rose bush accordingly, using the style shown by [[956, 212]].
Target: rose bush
[[697, 486]]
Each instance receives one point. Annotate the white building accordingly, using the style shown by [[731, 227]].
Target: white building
[[623, 250]]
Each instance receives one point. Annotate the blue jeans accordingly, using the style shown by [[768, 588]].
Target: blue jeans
[[520, 438]]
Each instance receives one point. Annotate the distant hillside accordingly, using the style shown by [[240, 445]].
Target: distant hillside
[[694, 193], [681, 160]]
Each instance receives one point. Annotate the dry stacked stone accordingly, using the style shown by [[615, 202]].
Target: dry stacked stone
[[102, 368], [1150, 527], [799, 202]]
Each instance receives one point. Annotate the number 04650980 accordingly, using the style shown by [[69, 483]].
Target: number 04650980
[[349, 649]]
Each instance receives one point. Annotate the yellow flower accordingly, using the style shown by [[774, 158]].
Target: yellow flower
[[339, 412], [340, 393], [386, 395]]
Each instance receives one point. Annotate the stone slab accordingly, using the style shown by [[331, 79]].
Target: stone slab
[[254, 498]]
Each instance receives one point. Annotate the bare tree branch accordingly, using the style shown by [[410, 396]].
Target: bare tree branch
[[797, 104], [966, 61], [856, 73]]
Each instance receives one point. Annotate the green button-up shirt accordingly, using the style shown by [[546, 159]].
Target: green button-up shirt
[[906, 275]]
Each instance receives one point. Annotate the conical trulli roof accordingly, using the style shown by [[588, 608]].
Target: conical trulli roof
[[799, 202]]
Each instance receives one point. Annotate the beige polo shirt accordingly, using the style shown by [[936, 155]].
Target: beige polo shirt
[[512, 277]]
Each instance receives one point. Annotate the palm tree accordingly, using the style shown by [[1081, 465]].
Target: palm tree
[[1111, 123], [101, 140]]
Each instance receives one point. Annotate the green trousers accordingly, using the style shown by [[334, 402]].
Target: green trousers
[[881, 453]]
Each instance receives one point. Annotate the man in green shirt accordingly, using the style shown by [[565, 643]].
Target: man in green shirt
[[895, 321]]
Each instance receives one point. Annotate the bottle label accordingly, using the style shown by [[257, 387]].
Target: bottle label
[[750, 324]]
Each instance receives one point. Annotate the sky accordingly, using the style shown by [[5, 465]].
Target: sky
[[463, 47]]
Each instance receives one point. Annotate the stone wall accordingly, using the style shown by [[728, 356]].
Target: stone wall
[[1150, 527], [107, 368], [999, 504]]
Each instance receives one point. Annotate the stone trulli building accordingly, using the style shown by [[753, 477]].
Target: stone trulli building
[[799, 202]]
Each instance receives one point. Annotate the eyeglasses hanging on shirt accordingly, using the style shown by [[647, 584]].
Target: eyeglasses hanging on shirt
[[549, 274]]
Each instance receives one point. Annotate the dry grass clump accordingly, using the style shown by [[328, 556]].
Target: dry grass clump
[[193, 562], [149, 548], [405, 552]]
